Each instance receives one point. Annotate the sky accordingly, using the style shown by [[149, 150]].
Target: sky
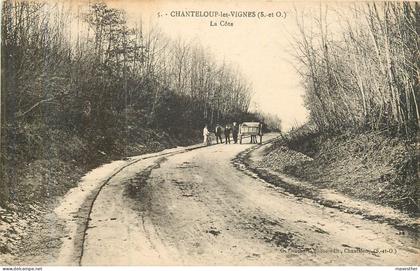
[[260, 48]]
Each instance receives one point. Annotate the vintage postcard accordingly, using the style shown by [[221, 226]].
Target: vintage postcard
[[209, 133]]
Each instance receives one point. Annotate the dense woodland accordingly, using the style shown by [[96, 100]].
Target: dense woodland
[[361, 69], [78, 82]]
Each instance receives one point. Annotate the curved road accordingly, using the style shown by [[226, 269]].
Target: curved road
[[196, 208]]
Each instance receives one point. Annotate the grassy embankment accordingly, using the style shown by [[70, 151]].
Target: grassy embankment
[[372, 166]]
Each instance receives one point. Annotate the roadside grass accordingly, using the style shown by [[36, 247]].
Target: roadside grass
[[371, 166]]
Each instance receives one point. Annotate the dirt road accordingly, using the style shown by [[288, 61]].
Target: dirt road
[[196, 208]]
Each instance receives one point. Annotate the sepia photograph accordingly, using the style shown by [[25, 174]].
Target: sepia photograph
[[209, 133]]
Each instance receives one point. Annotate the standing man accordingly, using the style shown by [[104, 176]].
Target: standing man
[[206, 134], [235, 132], [227, 134], [261, 131], [218, 132]]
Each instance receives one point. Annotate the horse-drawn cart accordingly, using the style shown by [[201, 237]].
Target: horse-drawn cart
[[252, 129]]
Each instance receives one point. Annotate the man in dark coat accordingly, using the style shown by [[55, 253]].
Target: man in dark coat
[[227, 134], [235, 132], [218, 133]]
